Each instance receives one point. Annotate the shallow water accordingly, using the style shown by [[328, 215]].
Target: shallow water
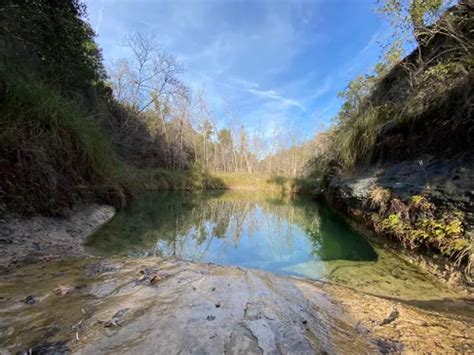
[[253, 230], [113, 306], [129, 304]]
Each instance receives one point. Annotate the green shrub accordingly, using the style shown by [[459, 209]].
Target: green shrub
[[424, 228]]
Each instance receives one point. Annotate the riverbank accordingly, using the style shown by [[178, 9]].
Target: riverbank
[[26, 240], [57, 299], [170, 306], [420, 210], [256, 182]]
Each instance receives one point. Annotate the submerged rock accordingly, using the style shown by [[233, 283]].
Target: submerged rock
[[258, 312]]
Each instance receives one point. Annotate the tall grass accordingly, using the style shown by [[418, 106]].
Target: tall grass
[[138, 180], [50, 149], [355, 139], [54, 154]]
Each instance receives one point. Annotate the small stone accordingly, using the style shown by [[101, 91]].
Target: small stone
[[62, 290], [109, 323], [218, 305], [155, 278], [210, 318], [213, 289], [30, 300], [391, 317], [120, 313]]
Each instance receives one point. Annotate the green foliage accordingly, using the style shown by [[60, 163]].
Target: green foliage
[[359, 119], [393, 223], [423, 229], [357, 93], [443, 70], [53, 155], [55, 42], [140, 180], [420, 203], [245, 181], [400, 92], [53, 149], [410, 18]]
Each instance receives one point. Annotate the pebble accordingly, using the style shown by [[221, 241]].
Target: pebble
[[30, 300]]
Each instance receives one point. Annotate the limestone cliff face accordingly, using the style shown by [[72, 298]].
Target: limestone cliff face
[[416, 206], [418, 186]]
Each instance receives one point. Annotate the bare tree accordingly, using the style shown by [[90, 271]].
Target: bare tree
[[148, 76]]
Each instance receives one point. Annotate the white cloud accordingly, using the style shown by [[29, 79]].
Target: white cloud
[[271, 94], [101, 16], [321, 90], [369, 45], [260, 56]]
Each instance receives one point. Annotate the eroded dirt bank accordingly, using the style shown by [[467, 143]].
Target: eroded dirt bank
[[24, 240], [166, 306]]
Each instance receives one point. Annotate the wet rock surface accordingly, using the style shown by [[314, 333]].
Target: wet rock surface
[[208, 309], [447, 183], [24, 240]]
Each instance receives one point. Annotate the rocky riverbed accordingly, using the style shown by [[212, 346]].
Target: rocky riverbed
[[166, 306]]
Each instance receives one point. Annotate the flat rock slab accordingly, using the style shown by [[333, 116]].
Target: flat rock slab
[[24, 240], [164, 306]]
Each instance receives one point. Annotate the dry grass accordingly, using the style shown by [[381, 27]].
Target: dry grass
[[379, 198], [279, 184]]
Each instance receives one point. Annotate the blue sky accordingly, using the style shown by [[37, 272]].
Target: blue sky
[[274, 62]]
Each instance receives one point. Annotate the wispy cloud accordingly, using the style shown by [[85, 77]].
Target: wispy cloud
[[271, 94], [372, 41], [358, 64], [101, 16], [245, 83], [322, 89], [276, 62]]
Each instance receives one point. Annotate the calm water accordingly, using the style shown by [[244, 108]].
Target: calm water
[[231, 229], [251, 230]]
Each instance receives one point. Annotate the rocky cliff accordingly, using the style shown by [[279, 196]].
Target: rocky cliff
[[416, 188]]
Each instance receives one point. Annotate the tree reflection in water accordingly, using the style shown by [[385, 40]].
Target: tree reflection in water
[[236, 228]]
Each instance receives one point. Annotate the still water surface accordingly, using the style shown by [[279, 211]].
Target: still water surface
[[252, 230]]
